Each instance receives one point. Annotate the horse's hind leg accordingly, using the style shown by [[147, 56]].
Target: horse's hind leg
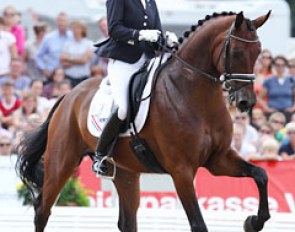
[[59, 166], [127, 185], [183, 181], [231, 164]]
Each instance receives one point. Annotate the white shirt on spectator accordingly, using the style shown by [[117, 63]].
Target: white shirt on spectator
[[6, 40], [42, 104], [77, 49], [251, 135], [245, 150]]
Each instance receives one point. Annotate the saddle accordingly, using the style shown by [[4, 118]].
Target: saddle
[[138, 145], [136, 88]]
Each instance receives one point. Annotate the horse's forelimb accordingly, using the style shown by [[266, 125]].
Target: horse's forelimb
[[231, 164]]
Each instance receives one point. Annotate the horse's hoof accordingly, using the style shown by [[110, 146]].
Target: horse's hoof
[[248, 226]]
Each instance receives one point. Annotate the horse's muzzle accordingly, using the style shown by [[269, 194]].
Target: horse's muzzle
[[244, 105]]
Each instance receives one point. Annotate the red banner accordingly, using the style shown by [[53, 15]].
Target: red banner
[[214, 193], [241, 194]]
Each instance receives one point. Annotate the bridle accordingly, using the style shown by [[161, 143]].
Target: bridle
[[227, 77]]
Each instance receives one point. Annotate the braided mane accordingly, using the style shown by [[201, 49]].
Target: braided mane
[[186, 34]]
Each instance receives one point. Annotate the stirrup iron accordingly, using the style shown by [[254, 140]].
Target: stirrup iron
[[110, 160]]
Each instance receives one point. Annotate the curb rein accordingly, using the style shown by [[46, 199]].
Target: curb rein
[[227, 77]]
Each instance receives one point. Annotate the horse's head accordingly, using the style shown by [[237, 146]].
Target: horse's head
[[235, 58]]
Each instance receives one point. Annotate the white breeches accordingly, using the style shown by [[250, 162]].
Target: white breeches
[[119, 74]]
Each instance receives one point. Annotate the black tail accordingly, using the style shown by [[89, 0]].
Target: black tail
[[29, 165]]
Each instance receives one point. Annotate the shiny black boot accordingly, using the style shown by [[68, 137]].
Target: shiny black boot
[[106, 144]]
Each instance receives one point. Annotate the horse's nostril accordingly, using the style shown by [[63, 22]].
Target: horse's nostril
[[243, 103]]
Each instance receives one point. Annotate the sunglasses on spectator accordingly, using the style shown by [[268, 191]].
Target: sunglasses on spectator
[[241, 117], [277, 122], [262, 131], [291, 132], [280, 65], [9, 14], [266, 57], [5, 144]]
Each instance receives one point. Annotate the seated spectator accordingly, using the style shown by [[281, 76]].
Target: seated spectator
[[269, 151], [21, 82], [31, 50], [64, 87], [258, 118], [265, 132], [28, 107], [5, 145], [251, 134], [3, 131], [9, 180], [36, 88], [287, 150], [244, 148], [33, 121], [262, 70], [266, 60], [277, 121], [12, 25], [76, 54], [9, 102], [7, 49], [51, 88], [279, 90]]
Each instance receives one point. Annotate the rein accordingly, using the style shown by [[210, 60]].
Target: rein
[[227, 77]]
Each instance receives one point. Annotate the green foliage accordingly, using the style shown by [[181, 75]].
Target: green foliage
[[73, 194]]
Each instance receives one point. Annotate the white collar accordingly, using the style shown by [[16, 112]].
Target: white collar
[[143, 3]]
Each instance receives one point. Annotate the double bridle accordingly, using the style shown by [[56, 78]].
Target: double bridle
[[227, 77]]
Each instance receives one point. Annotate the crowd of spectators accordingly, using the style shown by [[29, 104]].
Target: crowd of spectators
[[268, 131], [34, 73]]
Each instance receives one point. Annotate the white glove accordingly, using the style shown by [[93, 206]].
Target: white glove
[[149, 35], [171, 39]]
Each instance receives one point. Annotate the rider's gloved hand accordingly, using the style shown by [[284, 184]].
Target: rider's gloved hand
[[149, 35], [171, 39]]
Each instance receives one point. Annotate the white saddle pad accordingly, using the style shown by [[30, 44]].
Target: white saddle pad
[[102, 104]]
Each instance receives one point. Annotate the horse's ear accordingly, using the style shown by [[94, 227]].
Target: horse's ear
[[239, 19], [261, 20]]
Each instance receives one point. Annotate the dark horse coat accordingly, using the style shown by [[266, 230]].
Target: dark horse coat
[[125, 19]]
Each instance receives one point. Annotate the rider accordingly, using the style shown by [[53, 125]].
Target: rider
[[134, 27]]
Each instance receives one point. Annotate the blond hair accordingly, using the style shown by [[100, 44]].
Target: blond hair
[[81, 25], [270, 145]]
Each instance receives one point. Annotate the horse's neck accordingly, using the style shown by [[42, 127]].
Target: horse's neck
[[186, 87]]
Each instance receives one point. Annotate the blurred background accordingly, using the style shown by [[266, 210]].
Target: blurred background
[[176, 15]]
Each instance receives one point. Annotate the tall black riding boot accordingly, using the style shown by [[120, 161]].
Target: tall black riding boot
[[105, 144]]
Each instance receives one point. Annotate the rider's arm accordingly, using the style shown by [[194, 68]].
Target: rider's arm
[[117, 30]]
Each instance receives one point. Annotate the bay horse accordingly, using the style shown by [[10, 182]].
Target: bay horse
[[188, 126]]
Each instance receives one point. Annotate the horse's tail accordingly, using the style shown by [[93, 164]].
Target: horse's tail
[[29, 165]]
